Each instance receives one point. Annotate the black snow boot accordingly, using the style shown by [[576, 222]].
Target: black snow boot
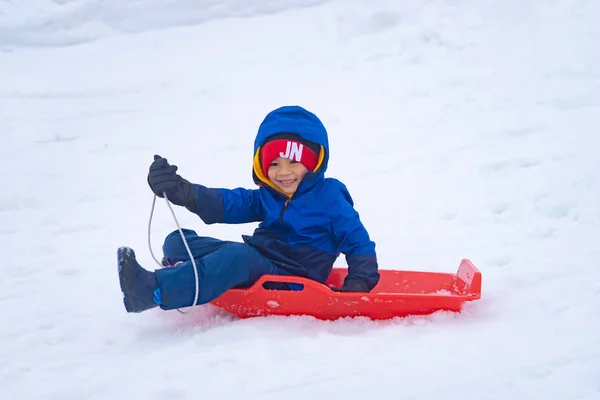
[[137, 284]]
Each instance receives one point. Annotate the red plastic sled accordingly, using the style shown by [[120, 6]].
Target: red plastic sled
[[398, 294]]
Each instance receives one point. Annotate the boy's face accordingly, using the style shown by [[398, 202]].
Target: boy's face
[[286, 174]]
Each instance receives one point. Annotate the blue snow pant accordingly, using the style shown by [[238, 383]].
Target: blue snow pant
[[221, 265]]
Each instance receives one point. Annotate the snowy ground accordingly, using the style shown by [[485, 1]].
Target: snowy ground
[[462, 129]]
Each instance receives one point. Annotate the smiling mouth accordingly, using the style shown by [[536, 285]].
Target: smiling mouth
[[287, 182]]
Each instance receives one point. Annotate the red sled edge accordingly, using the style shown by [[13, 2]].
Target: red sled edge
[[399, 293]]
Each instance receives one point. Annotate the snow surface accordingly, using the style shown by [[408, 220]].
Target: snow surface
[[463, 129]]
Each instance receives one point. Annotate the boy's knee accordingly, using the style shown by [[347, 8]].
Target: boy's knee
[[174, 248]]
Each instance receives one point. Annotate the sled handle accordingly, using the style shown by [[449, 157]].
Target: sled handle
[[308, 284], [468, 280]]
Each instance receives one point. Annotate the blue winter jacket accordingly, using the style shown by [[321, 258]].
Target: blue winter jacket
[[303, 234]]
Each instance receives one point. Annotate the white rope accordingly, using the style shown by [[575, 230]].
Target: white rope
[[184, 242], [150, 229]]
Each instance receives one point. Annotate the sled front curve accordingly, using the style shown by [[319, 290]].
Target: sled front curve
[[398, 293]]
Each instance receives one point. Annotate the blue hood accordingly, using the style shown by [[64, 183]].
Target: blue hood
[[297, 120]]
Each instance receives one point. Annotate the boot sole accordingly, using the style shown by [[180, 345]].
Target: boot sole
[[126, 276]]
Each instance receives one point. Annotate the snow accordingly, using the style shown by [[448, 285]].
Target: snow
[[462, 129]]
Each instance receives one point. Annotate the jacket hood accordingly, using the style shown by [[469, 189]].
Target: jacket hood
[[297, 121]]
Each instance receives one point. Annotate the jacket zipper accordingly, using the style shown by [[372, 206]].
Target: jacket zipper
[[285, 206]]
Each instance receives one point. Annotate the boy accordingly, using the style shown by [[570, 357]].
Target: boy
[[306, 221]]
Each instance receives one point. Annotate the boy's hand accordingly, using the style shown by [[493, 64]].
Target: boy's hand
[[353, 285], [162, 177]]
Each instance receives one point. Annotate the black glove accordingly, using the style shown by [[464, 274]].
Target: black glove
[[353, 285], [162, 177]]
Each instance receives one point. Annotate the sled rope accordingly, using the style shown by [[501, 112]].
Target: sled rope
[[184, 242]]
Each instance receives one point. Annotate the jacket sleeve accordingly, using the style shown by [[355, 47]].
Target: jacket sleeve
[[353, 239], [227, 206]]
